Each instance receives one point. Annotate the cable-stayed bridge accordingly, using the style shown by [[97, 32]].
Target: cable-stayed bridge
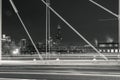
[[90, 66]]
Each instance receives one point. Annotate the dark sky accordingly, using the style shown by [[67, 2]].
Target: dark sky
[[83, 15]]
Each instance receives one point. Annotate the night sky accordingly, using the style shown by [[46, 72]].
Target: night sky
[[83, 15]]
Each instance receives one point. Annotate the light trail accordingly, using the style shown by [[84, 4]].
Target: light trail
[[15, 79], [72, 73], [62, 62]]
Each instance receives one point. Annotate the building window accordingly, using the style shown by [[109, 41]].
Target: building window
[[116, 50], [104, 50], [112, 50], [108, 50], [100, 50]]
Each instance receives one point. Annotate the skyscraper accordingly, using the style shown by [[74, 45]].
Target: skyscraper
[[59, 35], [23, 43]]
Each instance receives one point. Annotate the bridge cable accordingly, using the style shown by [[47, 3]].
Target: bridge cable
[[74, 29], [16, 11]]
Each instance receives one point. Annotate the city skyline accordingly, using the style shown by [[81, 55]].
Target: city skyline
[[87, 18]]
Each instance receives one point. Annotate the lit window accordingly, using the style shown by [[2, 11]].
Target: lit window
[[100, 50], [102, 45], [108, 50], [110, 45], [116, 45], [116, 50], [112, 50], [103, 50]]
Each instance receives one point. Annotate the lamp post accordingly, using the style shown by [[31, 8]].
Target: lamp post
[[47, 29]]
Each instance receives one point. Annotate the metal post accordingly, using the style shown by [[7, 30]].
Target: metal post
[[47, 29], [49, 36], [46, 34], [0, 30]]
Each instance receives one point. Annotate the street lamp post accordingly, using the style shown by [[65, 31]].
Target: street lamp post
[[47, 29]]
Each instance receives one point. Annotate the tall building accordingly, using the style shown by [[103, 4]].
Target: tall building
[[6, 44], [23, 43], [58, 35], [6, 38]]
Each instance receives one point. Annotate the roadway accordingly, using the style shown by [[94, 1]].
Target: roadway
[[63, 72], [62, 69]]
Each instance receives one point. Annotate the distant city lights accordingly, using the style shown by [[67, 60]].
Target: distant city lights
[[15, 52]]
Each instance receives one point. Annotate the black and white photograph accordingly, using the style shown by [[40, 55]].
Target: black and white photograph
[[59, 40]]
